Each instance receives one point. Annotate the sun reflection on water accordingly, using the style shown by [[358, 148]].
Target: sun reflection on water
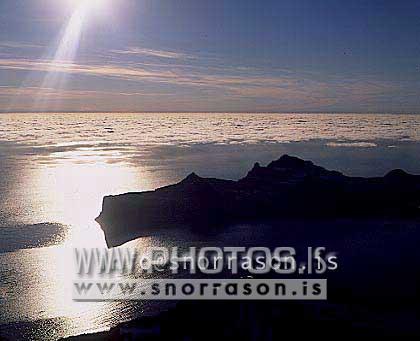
[[69, 191], [46, 293], [73, 191]]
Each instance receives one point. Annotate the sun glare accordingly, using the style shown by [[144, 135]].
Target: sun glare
[[87, 3], [68, 45]]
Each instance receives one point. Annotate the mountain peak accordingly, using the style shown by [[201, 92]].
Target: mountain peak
[[192, 177], [287, 161], [397, 174]]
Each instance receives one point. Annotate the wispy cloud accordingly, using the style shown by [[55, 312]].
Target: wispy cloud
[[153, 53], [19, 45], [233, 87], [32, 92], [237, 84], [57, 94]]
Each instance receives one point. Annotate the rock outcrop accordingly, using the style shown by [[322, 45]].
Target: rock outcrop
[[288, 187]]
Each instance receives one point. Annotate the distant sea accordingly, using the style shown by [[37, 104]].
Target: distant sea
[[56, 168]]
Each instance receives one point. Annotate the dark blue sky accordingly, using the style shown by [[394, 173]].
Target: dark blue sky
[[219, 55]]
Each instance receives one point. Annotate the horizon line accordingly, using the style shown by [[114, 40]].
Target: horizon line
[[209, 112]]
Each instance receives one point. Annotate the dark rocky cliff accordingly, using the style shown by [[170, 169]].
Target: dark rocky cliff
[[288, 187]]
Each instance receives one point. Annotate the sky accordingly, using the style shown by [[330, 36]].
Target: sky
[[217, 55]]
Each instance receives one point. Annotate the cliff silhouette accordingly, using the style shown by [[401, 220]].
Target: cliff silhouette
[[287, 188]]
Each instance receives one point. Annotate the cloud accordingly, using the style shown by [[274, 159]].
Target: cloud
[[247, 85], [153, 53], [209, 88], [33, 92], [106, 70], [360, 144], [19, 45], [132, 72]]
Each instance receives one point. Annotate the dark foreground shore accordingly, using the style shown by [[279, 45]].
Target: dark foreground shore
[[253, 320]]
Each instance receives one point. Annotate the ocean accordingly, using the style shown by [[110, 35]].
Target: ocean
[[55, 168]]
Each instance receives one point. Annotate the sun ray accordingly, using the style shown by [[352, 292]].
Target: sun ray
[[66, 51]]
